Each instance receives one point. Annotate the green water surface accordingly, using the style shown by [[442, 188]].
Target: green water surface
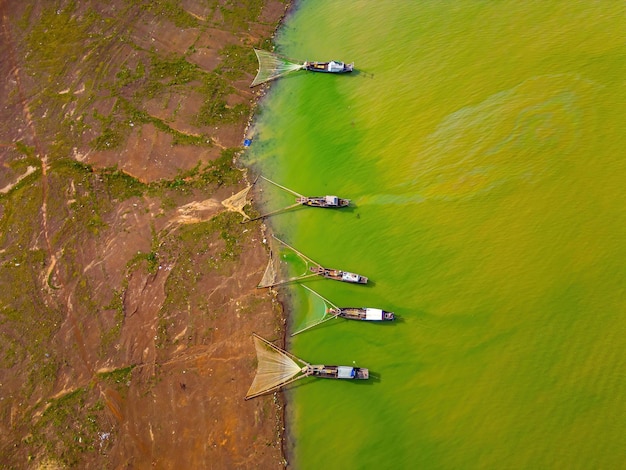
[[482, 143]]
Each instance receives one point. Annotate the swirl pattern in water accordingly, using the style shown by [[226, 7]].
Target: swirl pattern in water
[[521, 134]]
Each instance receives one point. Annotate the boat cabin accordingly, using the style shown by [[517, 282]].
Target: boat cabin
[[374, 314], [336, 66], [332, 200], [345, 372], [338, 372], [350, 277]]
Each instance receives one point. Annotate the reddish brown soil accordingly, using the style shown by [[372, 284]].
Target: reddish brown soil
[[183, 324]]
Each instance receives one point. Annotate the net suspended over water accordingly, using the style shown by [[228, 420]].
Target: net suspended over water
[[317, 318], [275, 369], [270, 276], [274, 276], [272, 66]]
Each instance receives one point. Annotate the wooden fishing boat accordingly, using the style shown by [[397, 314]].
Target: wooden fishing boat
[[338, 275], [338, 372], [270, 276], [325, 201], [332, 311], [277, 368], [272, 66], [317, 201], [365, 314], [334, 66]]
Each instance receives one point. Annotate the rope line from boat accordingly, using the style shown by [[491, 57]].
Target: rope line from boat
[[324, 319]]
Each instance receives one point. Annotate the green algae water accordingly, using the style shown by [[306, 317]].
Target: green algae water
[[482, 144]]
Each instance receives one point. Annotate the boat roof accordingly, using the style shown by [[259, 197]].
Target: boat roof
[[335, 65], [345, 372], [373, 314], [346, 276]]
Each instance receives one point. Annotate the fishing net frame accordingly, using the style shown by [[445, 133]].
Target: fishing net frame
[[272, 270], [270, 274], [272, 66], [275, 369], [326, 317], [238, 201]]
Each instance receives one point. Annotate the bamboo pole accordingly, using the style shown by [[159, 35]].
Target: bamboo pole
[[278, 211], [305, 257], [276, 387], [323, 320], [292, 279], [321, 297], [282, 187]]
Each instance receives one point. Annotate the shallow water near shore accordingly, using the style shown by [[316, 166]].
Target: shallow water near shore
[[482, 146]]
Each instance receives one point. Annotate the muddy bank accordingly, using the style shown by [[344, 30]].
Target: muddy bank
[[128, 295]]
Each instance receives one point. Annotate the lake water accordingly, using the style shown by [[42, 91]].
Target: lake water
[[482, 143]]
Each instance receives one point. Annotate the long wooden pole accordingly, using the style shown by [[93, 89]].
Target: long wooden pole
[[320, 296], [282, 187], [323, 320], [276, 387], [273, 212], [292, 279], [297, 252]]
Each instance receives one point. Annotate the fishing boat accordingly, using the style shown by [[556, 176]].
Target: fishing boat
[[334, 66], [317, 201], [332, 311], [277, 368], [338, 275], [272, 66], [271, 276], [339, 372], [325, 201], [362, 313]]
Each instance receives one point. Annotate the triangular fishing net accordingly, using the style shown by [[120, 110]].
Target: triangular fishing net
[[277, 274], [275, 368], [270, 276], [317, 315], [237, 202], [272, 66]]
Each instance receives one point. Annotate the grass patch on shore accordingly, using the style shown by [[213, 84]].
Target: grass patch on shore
[[170, 9], [92, 86], [118, 379], [67, 429], [237, 61], [238, 14], [201, 249], [27, 321]]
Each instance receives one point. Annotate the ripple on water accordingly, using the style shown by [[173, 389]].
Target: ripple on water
[[522, 134]]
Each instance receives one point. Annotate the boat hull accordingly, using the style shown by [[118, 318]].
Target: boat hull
[[328, 67], [337, 275], [339, 372], [362, 314], [330, 202]]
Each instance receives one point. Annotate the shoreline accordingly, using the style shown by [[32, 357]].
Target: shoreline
[[279, 397]]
